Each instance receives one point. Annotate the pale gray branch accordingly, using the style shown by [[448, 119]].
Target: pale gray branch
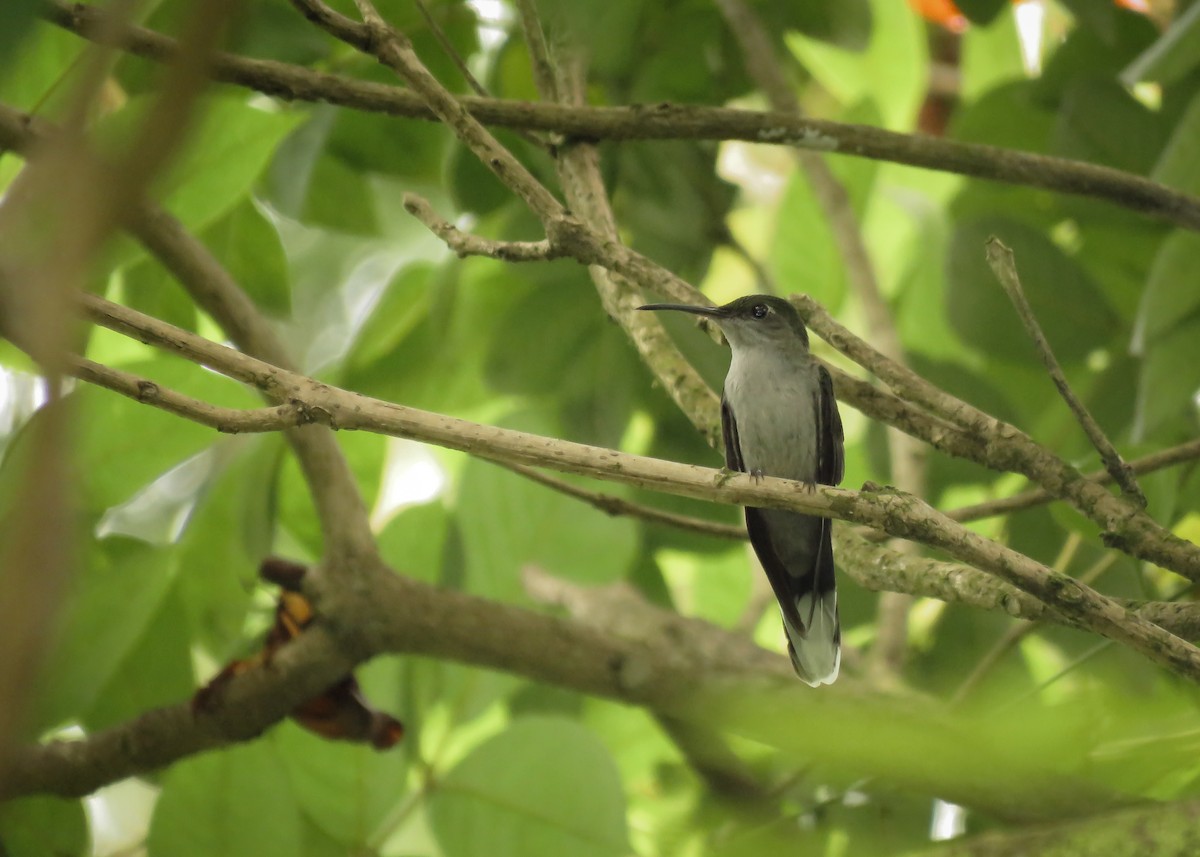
[[897, 514]]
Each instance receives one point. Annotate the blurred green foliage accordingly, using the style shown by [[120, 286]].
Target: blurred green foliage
[[301, 203]]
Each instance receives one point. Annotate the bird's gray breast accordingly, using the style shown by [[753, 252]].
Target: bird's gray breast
[[774, 399]]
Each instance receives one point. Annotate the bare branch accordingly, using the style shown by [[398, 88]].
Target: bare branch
[[1000, 258], [228, 420], [619, 506], [667, 122], [448, 47], [897, 514], [1189, 451], [465, 244]]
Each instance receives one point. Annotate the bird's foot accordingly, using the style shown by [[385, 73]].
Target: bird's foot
[[809, 487], [756, 474]]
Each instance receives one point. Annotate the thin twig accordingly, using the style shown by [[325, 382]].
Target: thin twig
[[1178, 454], [450, 50], [465, 244], [1000, 258], [228, 420], [610, 504], [544, 76]]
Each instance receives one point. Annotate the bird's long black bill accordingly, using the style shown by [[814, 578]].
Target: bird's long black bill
[[712, 311]]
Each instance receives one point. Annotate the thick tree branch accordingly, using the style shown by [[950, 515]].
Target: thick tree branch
[[668, 122], [249, 703], [871, 565], [883, 569], [674, 666]]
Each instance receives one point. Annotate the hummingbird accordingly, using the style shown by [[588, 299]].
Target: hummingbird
[[779, 418]]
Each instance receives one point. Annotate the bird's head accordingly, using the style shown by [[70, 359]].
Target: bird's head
[[751, 321]]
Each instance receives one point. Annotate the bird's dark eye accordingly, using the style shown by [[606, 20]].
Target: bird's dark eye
[[760, 310]]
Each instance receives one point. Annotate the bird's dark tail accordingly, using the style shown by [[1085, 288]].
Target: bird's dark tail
[[796, 552], [816, 649]]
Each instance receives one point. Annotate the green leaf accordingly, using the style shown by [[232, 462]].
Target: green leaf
[[43, 827], [228, 145], [225, 153], [127, 444], [348, 790], [414, 541], [991, 56], [1099, 121], [370, 142], [1095, 52], [1178, 166], [1100, 17], [1170, 379], [1165, 305], [544, 786], [403, 305], [473, 187], [148, 287], [673, 216], [228, 533], [237, 802], [712, 587], [339, 198], [111, 603], [667, 67], [891, 72], [804, 254], [981, 11], [41, 66], [246, 242], [1172, 56], [849, 24], [157, 671], [1070, 308], [17, 19], [508, 522]]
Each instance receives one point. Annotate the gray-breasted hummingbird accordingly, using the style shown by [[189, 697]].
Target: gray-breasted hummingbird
[[779, 418]]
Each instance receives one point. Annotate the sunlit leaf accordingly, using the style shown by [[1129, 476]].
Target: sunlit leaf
[[542, 787], [237, 801], [43, 827]]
